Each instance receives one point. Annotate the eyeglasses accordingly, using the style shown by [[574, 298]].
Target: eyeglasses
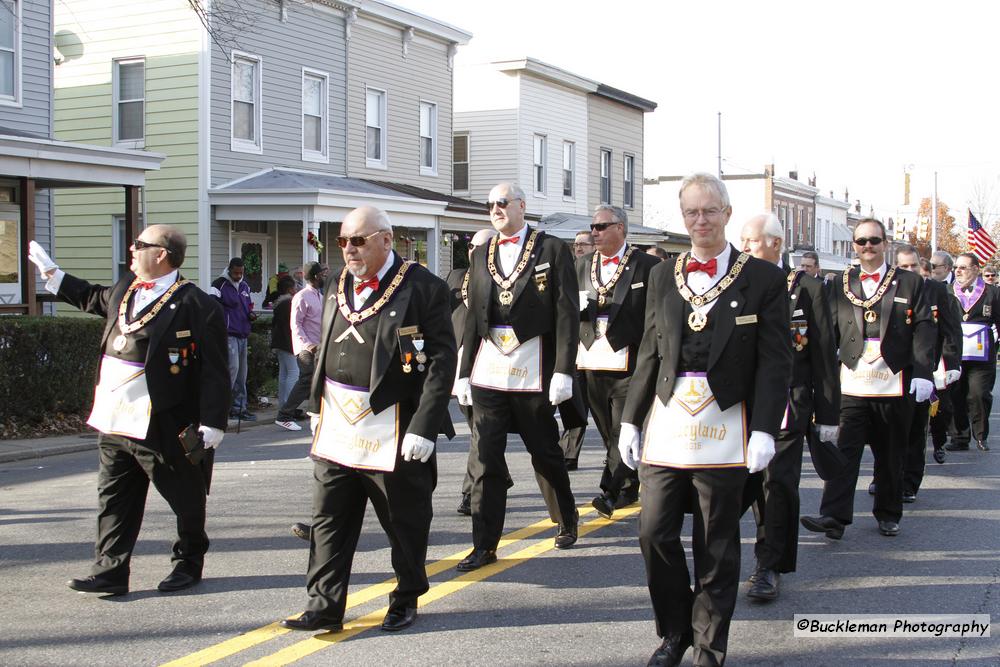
[[989, 275], [357, 241], [871, 240], [142, 245], [601, 226], [959, 267], [694, 213], [502, 203]]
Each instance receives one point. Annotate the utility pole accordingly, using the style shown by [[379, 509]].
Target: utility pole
[[720, 145], [934, 219]]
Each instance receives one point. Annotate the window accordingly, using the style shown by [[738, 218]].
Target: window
[[246, 111], [605, 176], [375, 128], [428, 139], [460, 162], [628, 189], [10, 52], [120, 256], [539, 164], [130, 102], [314, 114], [569, 167]]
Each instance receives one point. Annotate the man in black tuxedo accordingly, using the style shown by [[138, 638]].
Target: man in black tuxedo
[[814, 390], [711, 384], [886, 336], [163, 370], [381, 389], [571, 440], [612, 284], [518, 359], [979, 304]]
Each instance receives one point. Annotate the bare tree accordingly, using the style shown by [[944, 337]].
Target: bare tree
[[984, 203], [226, 20]]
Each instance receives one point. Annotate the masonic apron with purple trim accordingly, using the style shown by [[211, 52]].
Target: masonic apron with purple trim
[[121, 399], [350, 434], [872, 377]]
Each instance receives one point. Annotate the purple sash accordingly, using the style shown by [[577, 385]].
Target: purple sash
[[968, 301]]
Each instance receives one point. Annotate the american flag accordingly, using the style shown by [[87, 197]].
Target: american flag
[[980, 241]]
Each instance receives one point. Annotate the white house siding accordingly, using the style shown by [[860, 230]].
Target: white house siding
[[618, 128], [560, 114], [492, 150]]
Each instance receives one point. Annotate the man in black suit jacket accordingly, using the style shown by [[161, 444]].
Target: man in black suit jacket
[[612, 284], [379, 398], [164, 359], [886, 336], [711, 383], [518, 359], [814, 390]]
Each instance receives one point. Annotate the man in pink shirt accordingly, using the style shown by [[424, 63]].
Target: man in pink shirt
[[306, 319]]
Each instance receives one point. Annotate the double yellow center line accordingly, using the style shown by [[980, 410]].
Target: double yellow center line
[[318, 642]]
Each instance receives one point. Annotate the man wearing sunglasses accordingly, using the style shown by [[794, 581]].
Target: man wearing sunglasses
[[942, 266], [380, 392], [886, 335], [518, 359], [571, 440], [990, 275], [612, 320], [163, 369]]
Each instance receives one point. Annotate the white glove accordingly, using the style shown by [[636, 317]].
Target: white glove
[[583, 300], [313, 422], [211, 436], [463, 391], [416, 447], [628, 445], [760, 451], [41, 259], [921, 389], [560, 389], [828, 433], [952, 376]]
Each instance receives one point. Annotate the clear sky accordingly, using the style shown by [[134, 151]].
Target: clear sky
[[851, 91]]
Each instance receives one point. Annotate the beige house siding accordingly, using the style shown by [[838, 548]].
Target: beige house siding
[[492, 150], [619, 128]]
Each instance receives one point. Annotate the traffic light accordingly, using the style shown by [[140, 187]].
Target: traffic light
[[923, 228]]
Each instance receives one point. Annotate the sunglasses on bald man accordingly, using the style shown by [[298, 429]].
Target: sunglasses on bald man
[[357, 241], [503, 202]]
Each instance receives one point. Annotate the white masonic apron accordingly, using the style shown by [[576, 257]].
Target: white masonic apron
[[350, 434], [121, 399], [506, 364], [975, 341], [872, 377], [600, 356], [690, 431]]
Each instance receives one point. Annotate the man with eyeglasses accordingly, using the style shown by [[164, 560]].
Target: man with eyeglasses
[[379, 398], [886, 336], [973, 398], [518, 359], [583, 244], [814, 390], [711, 386], [990, 275], [612, 284], [941, 267], [162, 371], [571, 440]]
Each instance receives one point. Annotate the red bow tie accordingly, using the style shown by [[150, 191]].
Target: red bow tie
[[870, 276], [145, 285], [512, 239], [708, 267], [371, 282], [611, 260]]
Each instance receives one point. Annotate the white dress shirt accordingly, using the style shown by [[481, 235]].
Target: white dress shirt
[[608, 270], [360, 298], [869, 287], [509, 252], [144, 297], [700, 282]]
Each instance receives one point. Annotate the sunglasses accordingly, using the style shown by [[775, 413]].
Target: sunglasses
[[357, 241], [871, 240], [601, 226], [502, 203], [142, 245]]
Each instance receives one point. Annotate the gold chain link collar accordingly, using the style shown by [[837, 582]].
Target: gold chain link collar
[[712, 294], [127, 328], [358, 317], [602, 290]]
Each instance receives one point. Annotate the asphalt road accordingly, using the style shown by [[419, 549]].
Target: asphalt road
[[538, 606]]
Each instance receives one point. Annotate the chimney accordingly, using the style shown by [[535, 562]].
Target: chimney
[[794, 175]]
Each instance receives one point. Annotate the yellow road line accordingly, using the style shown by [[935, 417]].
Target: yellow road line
[[353, 628], [252, 638]]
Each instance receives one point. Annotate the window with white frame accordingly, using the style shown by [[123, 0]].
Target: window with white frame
[[460, 162], [569, 167], [130, 102], [314, 115], [375, 119], [628, 182], [428, 138], [246, 100], [539, 164], [605, 176], [10, 52], [120, 257]]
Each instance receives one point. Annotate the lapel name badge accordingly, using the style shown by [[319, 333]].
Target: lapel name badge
[[541, 267], [184, 333], [638, 285], [746, 319], [900, 299]]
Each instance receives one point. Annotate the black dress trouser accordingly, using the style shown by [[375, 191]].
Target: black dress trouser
[[606, 393], [973, 401]]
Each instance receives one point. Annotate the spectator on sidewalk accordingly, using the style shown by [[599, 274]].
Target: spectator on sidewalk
[[272, 286], [281, 337], [306, 323], [234, 294]]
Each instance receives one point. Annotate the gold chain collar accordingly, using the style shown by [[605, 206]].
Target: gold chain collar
[[127, 328], [358, 317], [867, 304], [465, 287], [505, 283], [793, 279], [712, 294], [602, 290]]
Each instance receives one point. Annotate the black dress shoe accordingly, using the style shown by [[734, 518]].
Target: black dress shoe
[[397, 619], [465, 507], [888, 528], [671, 651], [982, 446], [765, 587], [571, 464], [477, 559], [566, 537], [627, 498], [93, 584], [823, 524], [871, 489], [957, 446], [311, 621], [753, 575], [303, 531], [178, 580], [940, 455], [604, 506], [909, 497]]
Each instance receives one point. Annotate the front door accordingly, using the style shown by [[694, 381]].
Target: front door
[[10, 256], [254, 250]]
